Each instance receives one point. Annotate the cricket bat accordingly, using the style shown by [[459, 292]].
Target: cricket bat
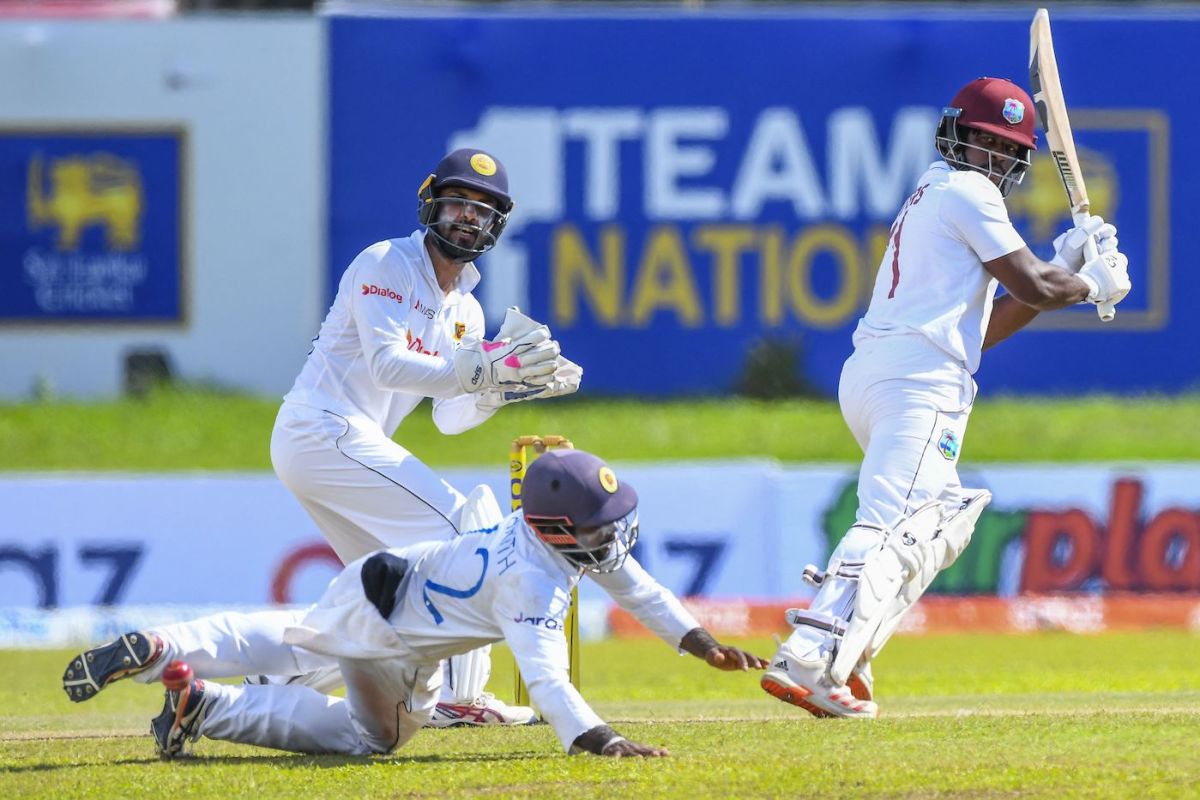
[[1052, 113]]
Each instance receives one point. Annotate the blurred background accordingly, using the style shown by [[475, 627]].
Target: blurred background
[[703, 192]]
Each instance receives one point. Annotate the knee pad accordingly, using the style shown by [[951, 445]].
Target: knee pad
[[837, 584], [896, 573]]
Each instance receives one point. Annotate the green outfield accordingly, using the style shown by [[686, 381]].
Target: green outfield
[[197, 429], [1039, 716]]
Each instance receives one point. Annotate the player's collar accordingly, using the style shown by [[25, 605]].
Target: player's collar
[[468, 279], [468, 276]]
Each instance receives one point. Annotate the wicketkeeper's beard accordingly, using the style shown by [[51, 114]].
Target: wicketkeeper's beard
[[460, 242]]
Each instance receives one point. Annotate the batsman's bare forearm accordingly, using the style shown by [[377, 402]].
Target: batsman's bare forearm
[[1036, 283], [1009, 315]]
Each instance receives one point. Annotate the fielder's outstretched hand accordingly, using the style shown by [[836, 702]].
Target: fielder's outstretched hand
[[604, 741], [623, 748], [730, 659], [701, 644]]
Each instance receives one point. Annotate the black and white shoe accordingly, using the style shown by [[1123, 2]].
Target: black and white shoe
[[92, 670], [184, 710]]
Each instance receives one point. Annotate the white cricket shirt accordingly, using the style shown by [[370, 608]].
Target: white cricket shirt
[[931, 280], [388, 340], [502, 583]]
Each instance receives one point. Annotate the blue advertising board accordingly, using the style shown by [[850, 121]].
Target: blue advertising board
[[91, 225], [689, 186]]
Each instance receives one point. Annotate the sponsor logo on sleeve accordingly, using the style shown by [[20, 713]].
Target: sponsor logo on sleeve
[[381, 291]]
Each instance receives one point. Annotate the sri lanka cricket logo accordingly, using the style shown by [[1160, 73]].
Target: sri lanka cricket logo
[[100, 189]]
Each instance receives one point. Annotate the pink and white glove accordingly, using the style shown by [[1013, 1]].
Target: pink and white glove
[[566, 380], [523, 363]]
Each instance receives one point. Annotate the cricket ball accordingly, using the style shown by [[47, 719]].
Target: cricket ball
[[177, 676]]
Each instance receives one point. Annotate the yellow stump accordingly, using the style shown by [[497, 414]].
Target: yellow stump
[[518, 462]]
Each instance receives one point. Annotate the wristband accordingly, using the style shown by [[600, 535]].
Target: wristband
[[595, 740]]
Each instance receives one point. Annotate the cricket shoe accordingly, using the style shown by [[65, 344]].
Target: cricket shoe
[[92, 670], [187, 704], [805, 683], [483, 710], [861, 683]]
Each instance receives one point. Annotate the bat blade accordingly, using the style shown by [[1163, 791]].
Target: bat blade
[[1051, 109], [1052, 112]]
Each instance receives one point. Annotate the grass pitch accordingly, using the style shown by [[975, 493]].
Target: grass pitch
[[1038, 716], [193, 428]]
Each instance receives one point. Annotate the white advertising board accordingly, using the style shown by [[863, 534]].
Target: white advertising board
[[740, 529], [244, 98]]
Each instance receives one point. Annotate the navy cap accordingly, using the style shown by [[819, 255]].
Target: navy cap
[[474, 169], [578, 486]]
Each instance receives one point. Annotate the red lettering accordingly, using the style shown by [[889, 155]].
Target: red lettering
[[1169, 556], [896, 229], [1118, 568], [370, 288], [281, 584], [1061, 551]]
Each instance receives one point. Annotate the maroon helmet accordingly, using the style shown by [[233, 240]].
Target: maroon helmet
[[996, 106]]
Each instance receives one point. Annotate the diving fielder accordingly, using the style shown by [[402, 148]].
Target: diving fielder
[[404, 326], [391, 618], [907, 390]]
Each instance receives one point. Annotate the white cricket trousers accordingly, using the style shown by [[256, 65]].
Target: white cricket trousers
[[364, 491], [387, 700], [367, 493], [907, 404]]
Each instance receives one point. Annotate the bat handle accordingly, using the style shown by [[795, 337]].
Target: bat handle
[[1106, 311]]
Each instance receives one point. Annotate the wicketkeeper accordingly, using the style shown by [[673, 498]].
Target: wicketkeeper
[[404, 326], [392, 617]]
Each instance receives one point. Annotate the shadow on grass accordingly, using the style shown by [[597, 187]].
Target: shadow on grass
[[289, 761]]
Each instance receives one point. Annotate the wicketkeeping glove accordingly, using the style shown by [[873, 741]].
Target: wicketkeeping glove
[[566, 379], [526, 362]]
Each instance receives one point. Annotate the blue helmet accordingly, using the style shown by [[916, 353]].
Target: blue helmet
[[479, 223], [574, 503]]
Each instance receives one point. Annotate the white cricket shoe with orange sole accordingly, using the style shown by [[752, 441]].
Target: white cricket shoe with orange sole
[[805, 683]]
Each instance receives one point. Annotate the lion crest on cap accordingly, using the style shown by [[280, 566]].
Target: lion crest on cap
[[483, 164], [608, 480]]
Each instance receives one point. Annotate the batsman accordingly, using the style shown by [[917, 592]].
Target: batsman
[[907, 390]]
